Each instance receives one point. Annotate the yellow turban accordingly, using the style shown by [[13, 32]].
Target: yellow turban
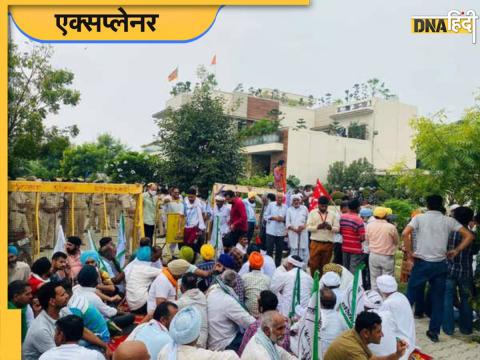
[[380, 212], [389, 211], [252, 194], [207, 252], [333, 267]]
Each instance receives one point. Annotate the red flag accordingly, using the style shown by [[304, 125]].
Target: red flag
[[214, 60], [173, 75], [317, 192]]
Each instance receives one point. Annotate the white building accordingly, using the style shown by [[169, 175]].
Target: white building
[[383, 133]]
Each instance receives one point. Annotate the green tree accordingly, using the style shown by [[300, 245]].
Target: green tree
[[85, 160], [301, 124], [35, 90], [360, 173], [133, 167], [450, 157], [199, 141], [181, 88], [357, 131]]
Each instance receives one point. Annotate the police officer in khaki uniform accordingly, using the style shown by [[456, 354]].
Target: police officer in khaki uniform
[[128, 204], [50, 206], [80, 206], [18, 229], [97, 219], [112, 204]]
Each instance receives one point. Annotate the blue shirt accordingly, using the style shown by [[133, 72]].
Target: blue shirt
[[276, 228], [153, 336], [250, 208]]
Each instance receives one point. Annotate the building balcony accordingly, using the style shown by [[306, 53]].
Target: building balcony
[[354, 109], [264, 144]]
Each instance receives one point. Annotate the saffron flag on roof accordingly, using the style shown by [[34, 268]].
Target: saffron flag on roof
[[214, 60], [173, 75]]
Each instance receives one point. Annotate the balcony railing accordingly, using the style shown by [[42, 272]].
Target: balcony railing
[[262, 139], [354, 106]]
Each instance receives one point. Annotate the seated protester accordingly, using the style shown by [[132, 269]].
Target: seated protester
[[40, 273], [164, 287], [331, 280], [285, 283], [254, 282], [59, 270], [268, 267], [72, 247], [400, 308], [87, 282], [157, 257], [192, 296], [226, 314], [236, 254], [68, 332], [332, 325], [346, 277], [154, 334], [373, 302], [225, 262], [93, 320], [353, 344], [144, 242], [267, 301], [20, 297], [108, 251], [207, 253], [185, 330], [242, 245], [138, 280], [265, 343], [186, 253], [131, 350], [40, 335], [105, 284], [17, 270]]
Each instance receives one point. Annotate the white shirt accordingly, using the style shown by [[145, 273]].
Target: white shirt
[[198, 299], [94, 300], [268, 267], [225, 315], [154, 335], [221, 216], [388, 343], [275, 228], [295, 218], [186, 352], [157, 264], [138, 281], [332, 326], [256, 351], [402, 314], [71, 352], [193, 215], [284, 285], [161, 288], [39, 337]]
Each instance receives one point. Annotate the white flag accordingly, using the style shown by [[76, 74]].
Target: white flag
[[60, 244], [121, 245], [306, 330]]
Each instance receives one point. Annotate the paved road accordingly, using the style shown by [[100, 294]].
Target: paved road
[[449, 347]]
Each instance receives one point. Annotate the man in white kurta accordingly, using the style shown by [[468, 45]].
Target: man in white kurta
[[225, 314], [264, 344], [388, 344], [284, 285], [400, 308], [331, 324], [221, 218], [296, 223], [185, 330]]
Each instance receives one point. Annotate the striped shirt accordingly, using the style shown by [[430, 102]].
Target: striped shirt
[[353, 233]]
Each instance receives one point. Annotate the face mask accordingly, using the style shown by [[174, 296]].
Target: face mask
[[308, 193], [152, 192]]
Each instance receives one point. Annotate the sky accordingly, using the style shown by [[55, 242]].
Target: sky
[[326, 47]]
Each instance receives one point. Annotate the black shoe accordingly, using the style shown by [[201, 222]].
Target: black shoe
[[432, 336]]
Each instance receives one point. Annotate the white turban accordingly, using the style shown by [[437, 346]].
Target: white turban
[[294, 262], [330, 279], [372, 299], [219, 198], [185, 326], [387, 284], [297, 197]]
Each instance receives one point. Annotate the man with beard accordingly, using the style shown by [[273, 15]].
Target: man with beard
[[73, 255], [17, 270], [264, 345], [59, 267]]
